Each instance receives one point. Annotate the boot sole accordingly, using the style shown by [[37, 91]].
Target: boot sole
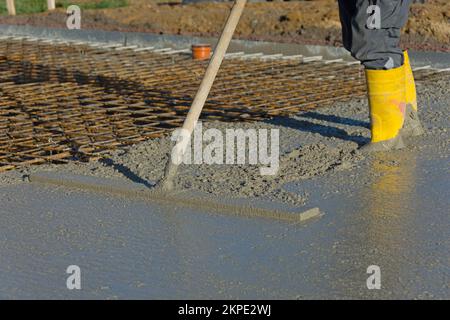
[[391, 144], [411, 128]]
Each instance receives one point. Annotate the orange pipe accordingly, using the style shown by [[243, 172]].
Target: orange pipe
[[201, 51]]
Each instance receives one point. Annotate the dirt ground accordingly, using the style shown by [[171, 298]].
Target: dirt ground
[[308, 22]]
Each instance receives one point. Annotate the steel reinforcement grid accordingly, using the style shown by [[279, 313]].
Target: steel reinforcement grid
[[64, 101]]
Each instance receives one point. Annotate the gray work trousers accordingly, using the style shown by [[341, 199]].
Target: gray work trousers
[[371, 31]]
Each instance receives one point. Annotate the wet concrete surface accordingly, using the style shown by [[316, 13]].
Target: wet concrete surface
[[396, 219], [390, 210]]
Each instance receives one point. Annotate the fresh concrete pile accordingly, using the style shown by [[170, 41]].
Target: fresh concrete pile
[[308, 147]]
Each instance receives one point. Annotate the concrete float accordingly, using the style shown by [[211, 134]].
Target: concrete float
[[192, 200]]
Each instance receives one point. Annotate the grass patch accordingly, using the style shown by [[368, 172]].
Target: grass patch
[[36, 6], [102, 4], [25, 6]]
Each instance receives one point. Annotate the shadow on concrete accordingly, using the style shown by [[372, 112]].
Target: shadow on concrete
[[323, 130], [335, 119], [126, 172]]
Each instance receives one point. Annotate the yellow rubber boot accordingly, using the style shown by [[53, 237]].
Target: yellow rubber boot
[[387, 96], [412, 125]]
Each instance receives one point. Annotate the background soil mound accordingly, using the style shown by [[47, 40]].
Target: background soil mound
[[309, 22]]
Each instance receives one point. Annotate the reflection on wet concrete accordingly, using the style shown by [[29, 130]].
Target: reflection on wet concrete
[[401, 208], [391, 204]]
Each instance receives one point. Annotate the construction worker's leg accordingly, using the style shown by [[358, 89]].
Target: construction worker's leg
[[347, 11], [371, 32]]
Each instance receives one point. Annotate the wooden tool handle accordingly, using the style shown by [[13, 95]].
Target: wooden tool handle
[[214, 65], [203, 92], [11, 7]]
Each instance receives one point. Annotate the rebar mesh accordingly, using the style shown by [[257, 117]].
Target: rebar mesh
[[64, 101]]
